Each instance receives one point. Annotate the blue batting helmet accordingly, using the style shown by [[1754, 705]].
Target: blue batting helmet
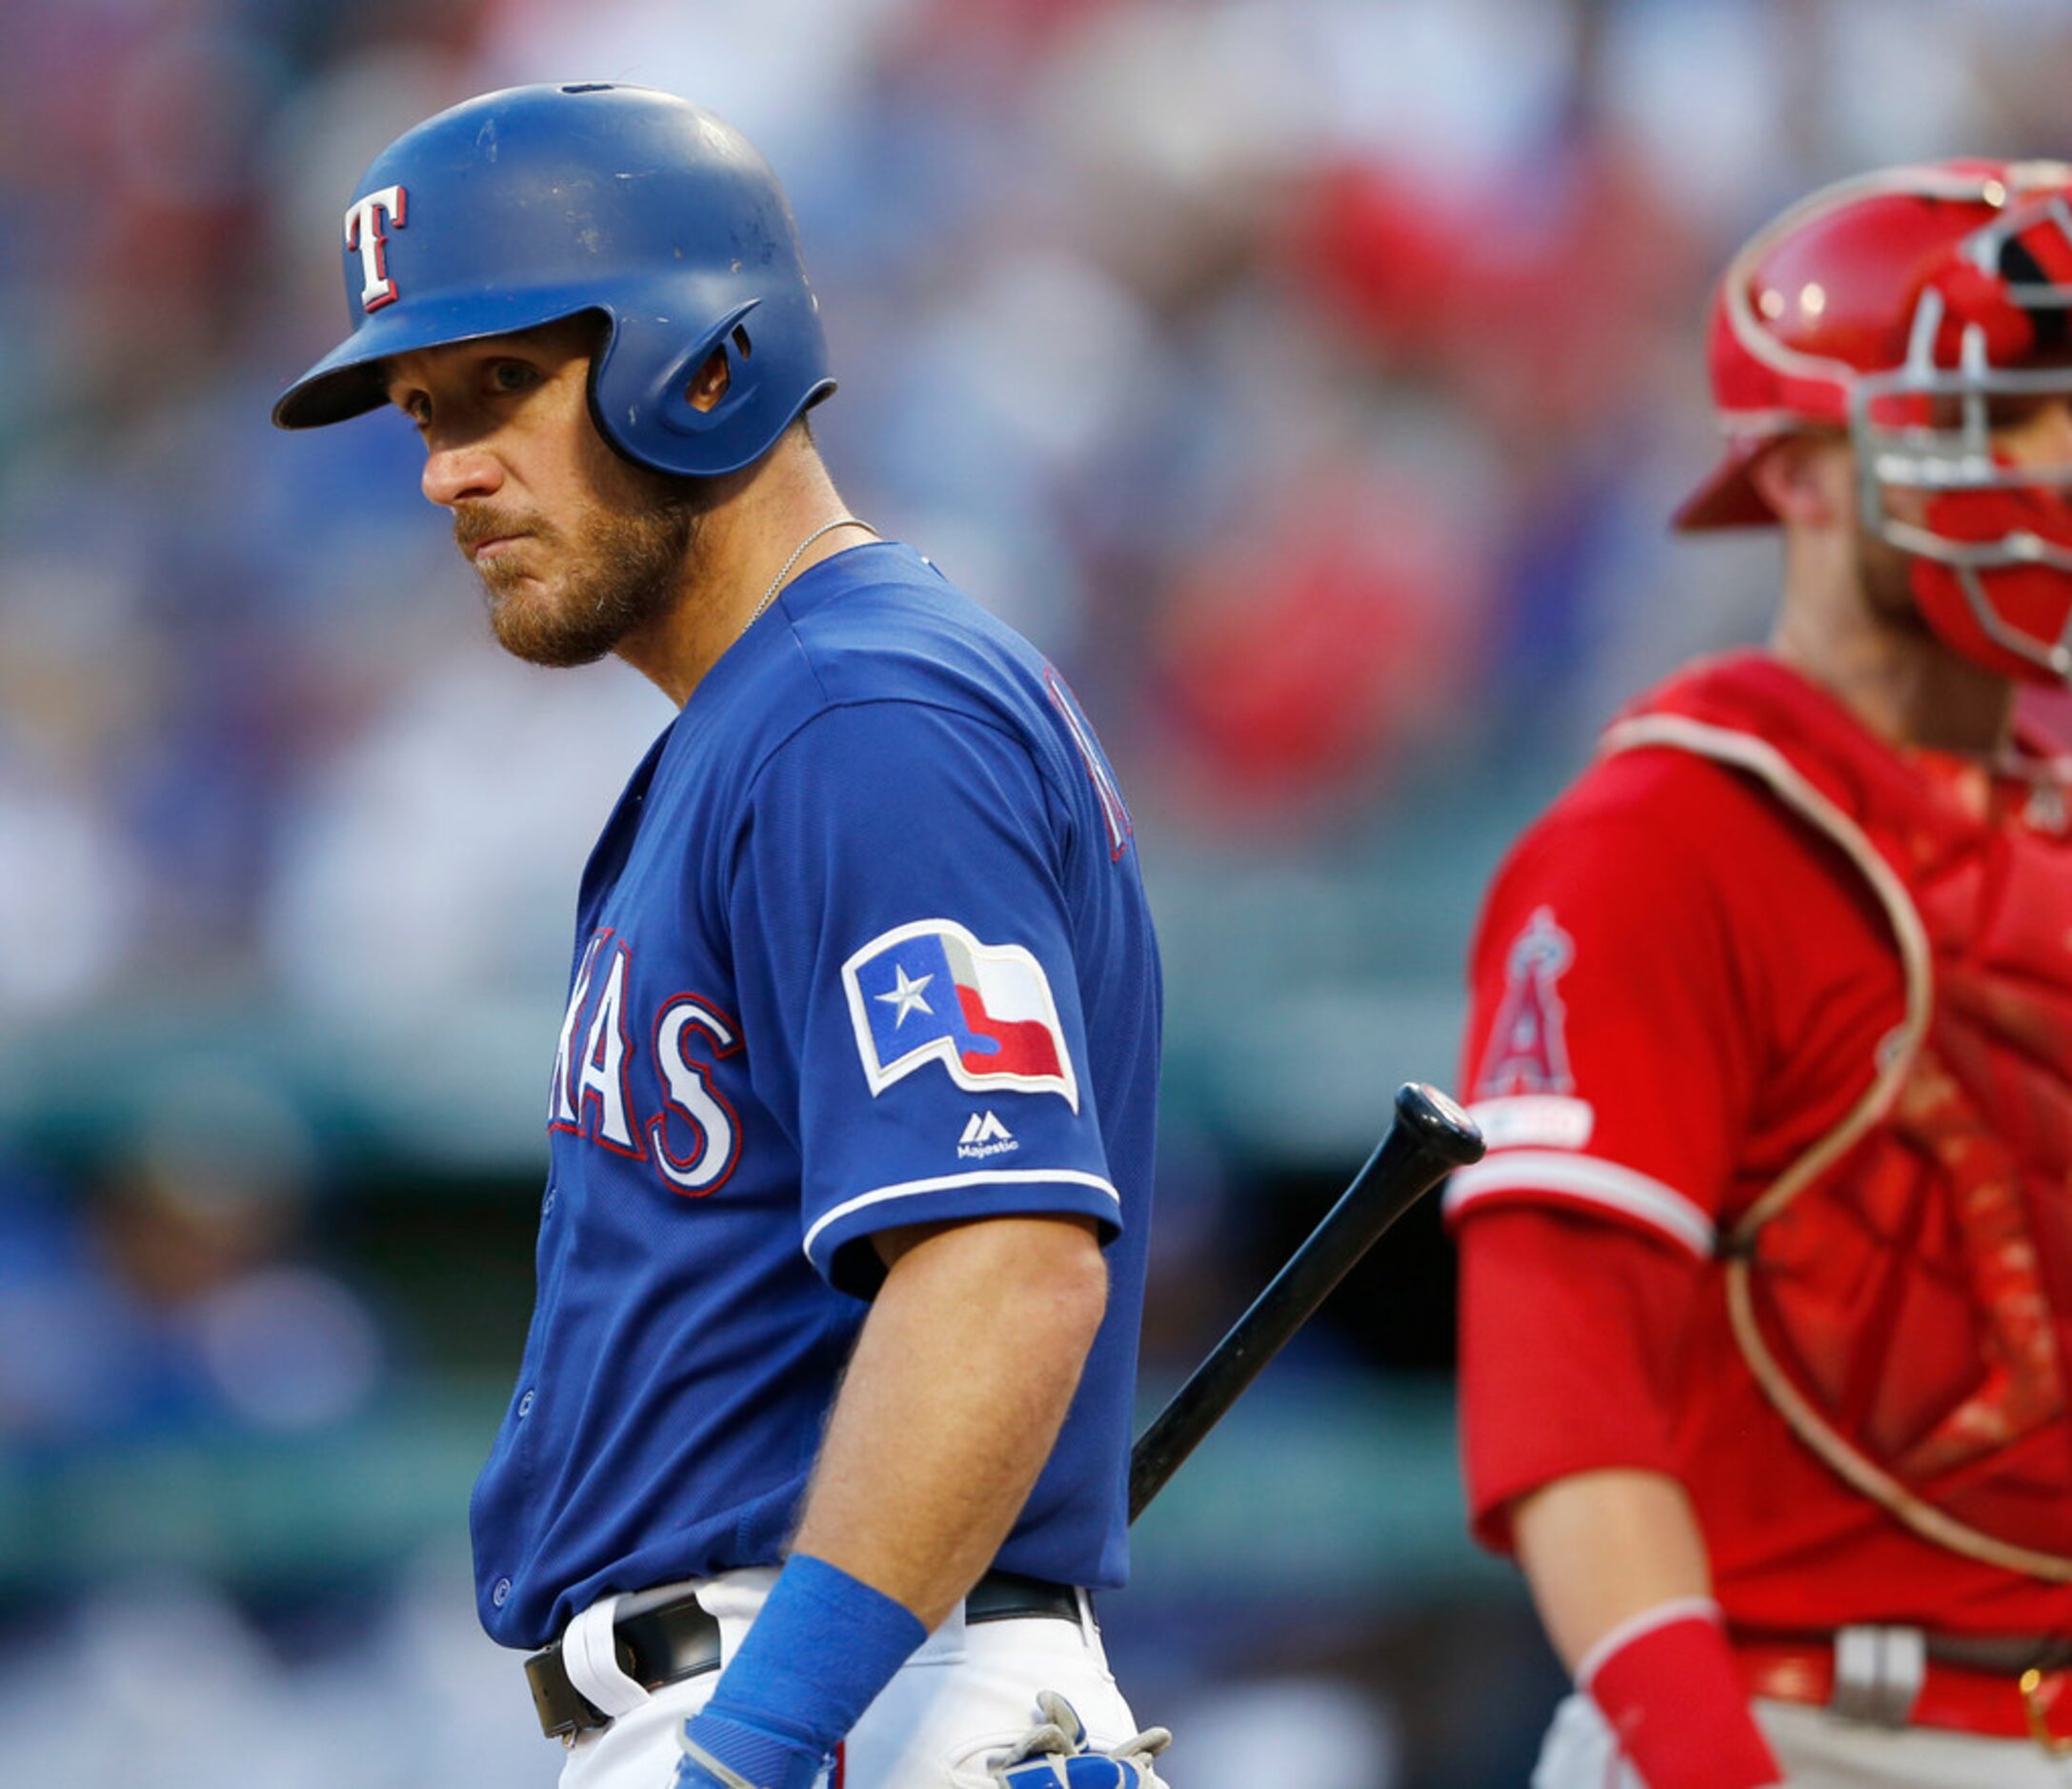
[[537, 203]]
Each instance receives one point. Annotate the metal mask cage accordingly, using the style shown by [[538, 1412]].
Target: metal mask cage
[[1935, 458]]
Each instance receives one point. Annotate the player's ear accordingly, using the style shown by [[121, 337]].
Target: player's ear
[[1806, 479], [713, 379]]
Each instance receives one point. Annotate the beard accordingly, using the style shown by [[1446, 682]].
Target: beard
[[619, 574]]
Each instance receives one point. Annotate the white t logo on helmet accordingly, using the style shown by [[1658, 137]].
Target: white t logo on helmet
[[363, 231]]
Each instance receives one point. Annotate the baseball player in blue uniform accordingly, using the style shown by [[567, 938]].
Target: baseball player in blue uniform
[[820, 1436]]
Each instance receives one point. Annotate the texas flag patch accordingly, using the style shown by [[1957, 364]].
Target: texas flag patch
[[932, 993]]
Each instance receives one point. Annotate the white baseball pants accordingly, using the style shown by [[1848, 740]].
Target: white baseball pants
[[966, 1693], [1818, 1751]]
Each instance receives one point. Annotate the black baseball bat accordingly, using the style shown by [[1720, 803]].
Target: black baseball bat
[[1431, 1137]]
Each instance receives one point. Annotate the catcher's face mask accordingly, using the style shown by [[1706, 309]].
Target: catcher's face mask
[[1929, 312], [1975, 422]]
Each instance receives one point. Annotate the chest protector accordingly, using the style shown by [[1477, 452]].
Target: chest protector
[[1902, 1292]]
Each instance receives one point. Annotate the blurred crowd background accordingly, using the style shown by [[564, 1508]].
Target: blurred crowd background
[[1311, 377]]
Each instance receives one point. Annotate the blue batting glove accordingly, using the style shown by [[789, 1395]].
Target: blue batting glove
[[719, 1753], [1053, 1754]]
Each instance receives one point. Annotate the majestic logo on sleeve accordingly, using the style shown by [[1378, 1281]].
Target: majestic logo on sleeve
[[986, 1136], [1528, 1044], [931, 992], [363, 231]]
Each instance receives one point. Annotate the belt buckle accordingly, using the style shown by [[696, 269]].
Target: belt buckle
[[560, 1705], [1878, 1674], [2036, 1707]]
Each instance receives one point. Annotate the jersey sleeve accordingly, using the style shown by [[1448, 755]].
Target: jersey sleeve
[[905, 964], [1569, 1335], [1609, 1055]]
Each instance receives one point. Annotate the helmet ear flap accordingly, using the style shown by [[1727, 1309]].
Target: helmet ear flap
[[669, 399], [644, 395]]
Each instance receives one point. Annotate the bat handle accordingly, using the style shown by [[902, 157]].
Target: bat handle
[[1431, 1137]]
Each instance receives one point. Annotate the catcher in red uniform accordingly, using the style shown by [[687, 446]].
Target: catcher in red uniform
[[1767, 1277]]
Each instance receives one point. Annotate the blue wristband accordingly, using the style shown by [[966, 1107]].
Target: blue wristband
[[821, 1648], [748, 1752]]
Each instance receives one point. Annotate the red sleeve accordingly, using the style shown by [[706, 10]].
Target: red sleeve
[[1612, 1050], [1569, 1331]]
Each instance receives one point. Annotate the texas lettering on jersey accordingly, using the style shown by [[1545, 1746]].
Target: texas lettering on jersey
[[1111, 807], [692, 1137]]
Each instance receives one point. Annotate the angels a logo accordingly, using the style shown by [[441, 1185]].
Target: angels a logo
[[1528, 1044]]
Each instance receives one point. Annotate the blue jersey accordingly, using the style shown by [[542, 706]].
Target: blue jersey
[[862, 945]]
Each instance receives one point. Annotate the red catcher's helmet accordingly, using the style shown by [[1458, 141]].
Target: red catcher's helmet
[[1901, 306]]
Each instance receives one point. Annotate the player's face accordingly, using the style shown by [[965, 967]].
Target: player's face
[[576, 548]]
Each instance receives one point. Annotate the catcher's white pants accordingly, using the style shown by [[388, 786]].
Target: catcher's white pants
[[967, 1693], [1817, 1750]]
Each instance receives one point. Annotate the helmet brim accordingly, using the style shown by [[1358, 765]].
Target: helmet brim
[[1728, 497], [351, 380]]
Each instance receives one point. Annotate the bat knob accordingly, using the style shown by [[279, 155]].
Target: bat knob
[[1440, 1124]]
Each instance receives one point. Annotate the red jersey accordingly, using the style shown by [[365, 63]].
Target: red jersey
[[1694, 999]]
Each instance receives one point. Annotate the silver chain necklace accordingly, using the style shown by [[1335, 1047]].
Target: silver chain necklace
[[784, 571]]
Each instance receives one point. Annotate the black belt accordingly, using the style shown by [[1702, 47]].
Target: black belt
[[2006, 1656], [672, 1638]]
